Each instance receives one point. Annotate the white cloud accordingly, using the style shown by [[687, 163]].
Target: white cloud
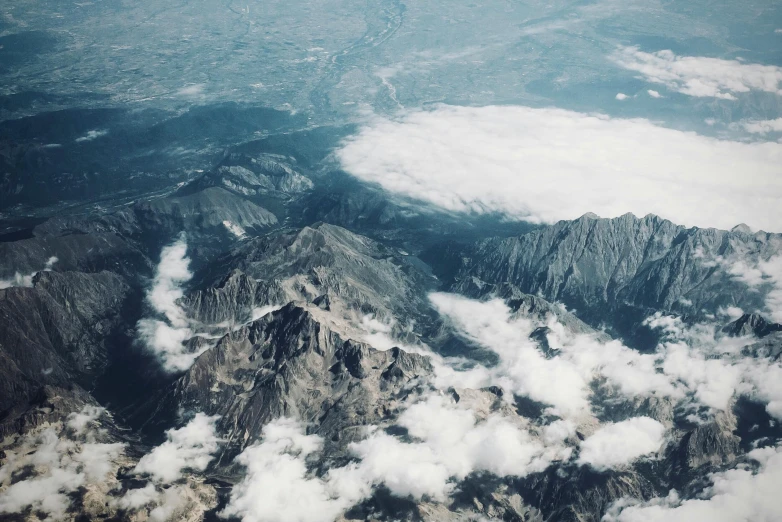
[[163, 505], [172, 272], [737, 494], [83, 421], [619, 444], [55, 465], [700, 76], [654, 94], [138, 498], [277, 486], [732, 312], [190, 447], [762, 126], [166, 338], [621, 96], [26, 280], [524, 370], [544, 165], [693, 365], [450, 443], [167, 343], [92, 135], [765, 273], [712, 369]]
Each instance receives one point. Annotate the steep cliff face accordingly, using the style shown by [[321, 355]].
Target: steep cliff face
[[630, 264], [359, 276], [289, 364], [56, 333]]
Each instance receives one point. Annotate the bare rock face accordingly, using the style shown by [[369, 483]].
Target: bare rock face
[[752, 325], [360, 276], [632, 265], [289, 364], [707, 446], [55, 333], [233, 299], [257, 175]]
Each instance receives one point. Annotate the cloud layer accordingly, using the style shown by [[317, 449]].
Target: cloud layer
[[277, 486], [449, 443], [544, 165]]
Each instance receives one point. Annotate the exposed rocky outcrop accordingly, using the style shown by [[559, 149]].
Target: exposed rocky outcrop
[[630, 265], [359, 275], [83, 252], [752, 325], [289, 364], [56, 333]]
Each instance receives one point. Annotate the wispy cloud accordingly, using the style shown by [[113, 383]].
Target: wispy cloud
[[544, 165], [91, 135], [762, 126], [166, 338], [189, 447], [692, 366], [235, 229], [449, 443], [191, 90], [765, 274], [700, 76], [26, 280], [277, 486]]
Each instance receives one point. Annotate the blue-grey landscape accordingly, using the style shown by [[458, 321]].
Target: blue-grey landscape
[[335, 261]]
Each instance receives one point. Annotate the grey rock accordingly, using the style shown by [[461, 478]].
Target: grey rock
[[753, 325], [202, 211], [289, 364], [633, 265], [56, 332]]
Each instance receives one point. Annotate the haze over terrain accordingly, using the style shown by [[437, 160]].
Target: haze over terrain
[[426, 261]]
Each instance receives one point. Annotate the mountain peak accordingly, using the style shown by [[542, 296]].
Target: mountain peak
[[751, 324], [741, 228]]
